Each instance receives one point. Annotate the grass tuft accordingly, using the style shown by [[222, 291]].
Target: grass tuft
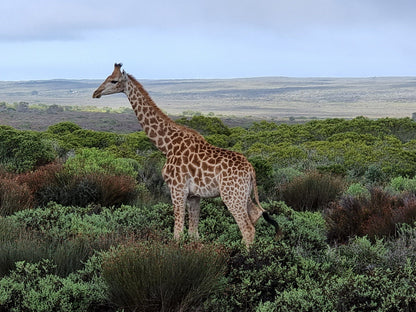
[[152, 276]]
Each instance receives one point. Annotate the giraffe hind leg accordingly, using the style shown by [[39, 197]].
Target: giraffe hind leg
[[254, 211], [243, 220]]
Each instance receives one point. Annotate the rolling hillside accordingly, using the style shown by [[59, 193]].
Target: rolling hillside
[[277, 98]]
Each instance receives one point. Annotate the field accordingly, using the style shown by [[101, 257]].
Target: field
[[272, 98], [86, 220]]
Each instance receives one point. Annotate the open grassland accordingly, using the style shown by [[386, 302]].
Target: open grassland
[[258, 98], [86, 221]]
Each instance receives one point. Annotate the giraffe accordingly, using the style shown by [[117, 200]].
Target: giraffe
[[194, 169]]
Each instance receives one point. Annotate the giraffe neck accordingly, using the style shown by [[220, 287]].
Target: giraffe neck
[[160, 129]]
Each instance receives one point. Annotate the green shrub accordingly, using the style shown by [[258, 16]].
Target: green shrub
[[272, 265], [156, 277], [143, 220], [205, 125], [83, 138], [312, 191], [281, 177], [374, 174], [285, 175], [357, 190], [33, 288], [22, 151], [88, 161], [63, 128], [375, 276], [401, 184], [150, 173], [94, 222], [68, 252], [264, 178]]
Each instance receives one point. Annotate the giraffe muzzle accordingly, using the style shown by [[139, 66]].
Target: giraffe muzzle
[[97, 94]]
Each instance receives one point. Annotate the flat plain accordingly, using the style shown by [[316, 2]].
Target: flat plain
[[271, 98]]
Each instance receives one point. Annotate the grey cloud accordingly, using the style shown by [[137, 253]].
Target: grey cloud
[[66, 20]]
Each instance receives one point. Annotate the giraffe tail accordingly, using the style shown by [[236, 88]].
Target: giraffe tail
[[272, 221], [266, 216]]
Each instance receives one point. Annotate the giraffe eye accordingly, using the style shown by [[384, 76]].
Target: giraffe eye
[[114, 81]]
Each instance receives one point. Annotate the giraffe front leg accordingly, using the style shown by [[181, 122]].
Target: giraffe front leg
[[178, 201], [193, 211]]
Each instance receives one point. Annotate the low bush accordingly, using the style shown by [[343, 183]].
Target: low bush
[[375, 276], [22, 151], [359, 276], [297, 271], [152, 276], [14, 196], [205, 125], [52, 183], [357, 190], [374, 174], [67, 255], [150, 174], [376, 216], [312, 191], [63, 222], [101, 189], [41, 177], [401, 184], [32, 287], [92, 161], [273, 264]]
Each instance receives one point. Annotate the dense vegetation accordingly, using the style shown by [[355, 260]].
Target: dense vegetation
[[86, 221]]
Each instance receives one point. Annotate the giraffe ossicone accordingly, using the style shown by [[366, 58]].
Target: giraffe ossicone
[[194, 169]]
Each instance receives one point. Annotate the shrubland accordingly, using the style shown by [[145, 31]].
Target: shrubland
[[86, 222]]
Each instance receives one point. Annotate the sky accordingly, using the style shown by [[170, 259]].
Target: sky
[[161, 39]]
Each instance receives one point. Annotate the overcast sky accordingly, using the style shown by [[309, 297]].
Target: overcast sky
[[46, 39]]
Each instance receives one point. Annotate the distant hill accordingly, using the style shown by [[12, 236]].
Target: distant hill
[[269, 97]]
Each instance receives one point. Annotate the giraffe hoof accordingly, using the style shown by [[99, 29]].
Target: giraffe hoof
[[279, 234]]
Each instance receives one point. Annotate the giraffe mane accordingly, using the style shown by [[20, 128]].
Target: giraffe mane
[[160, 112]]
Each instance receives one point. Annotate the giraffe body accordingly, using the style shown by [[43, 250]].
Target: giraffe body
[[194, 169]]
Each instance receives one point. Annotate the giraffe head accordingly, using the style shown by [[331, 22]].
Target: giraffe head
[[115, 83]]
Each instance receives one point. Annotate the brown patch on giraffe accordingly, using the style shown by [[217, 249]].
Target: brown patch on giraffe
[[211, 161], [192, 170], [176, 140], [186, 153]]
